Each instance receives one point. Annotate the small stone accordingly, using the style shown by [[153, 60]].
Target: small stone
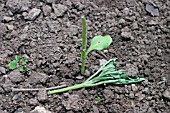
[[166, 94], [3, 30], [145, 57], [125, 11], [1, 7], [37, 77], [146, 90], [59, 9], [73, 30], [39, 109], [15, 76], [33, 14], [79, 77], [152, 23], [10, 27], [42, 95], [46, 10], [135, 26], [152, 10], [33, 102], [80, 7], [121, 21], [134, 87], [23, 37], [2, 70], [127, 35], [17, 6], [87, 73], [54, 26], [7, 19], [72, 103], [102, 61], [108, 93], [132, 70]]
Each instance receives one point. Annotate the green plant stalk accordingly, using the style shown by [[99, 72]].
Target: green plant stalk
[[90, 84], [84, 43]]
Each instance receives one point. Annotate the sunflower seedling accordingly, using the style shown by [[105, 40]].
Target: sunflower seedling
[[97, 43], [98, 99], [19, 62], [107, 74]]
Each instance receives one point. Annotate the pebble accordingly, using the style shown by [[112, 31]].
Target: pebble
[[146, 90], [127, 35], [39, 109], [59, 9], [125, 11], [121, 21], [37, 77], [23, 37], [152, 23], [135, 26], [134, 87], [42, 95], [46, 10], [10, 27], [33, 14], [15, 76], [152, 10], [80, 7], [102, 61], [33, 102], [87, 73], [54, 26], [7, 19], [2, 70], [132, 70], [166, 94], [73, 30]]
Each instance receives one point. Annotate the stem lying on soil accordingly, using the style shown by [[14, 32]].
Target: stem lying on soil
[[37, 89]]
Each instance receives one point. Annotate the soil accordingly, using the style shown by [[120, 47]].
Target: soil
[[48, 34]]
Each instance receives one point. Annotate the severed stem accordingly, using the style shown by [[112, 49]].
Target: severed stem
[[37, 89]]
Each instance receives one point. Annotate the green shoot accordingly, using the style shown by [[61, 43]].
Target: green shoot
[[98, 99], [107, 74], [19, 62], [84, 43], [97, 43]]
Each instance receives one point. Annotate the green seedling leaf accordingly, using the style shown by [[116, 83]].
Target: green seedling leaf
[[98, 99], [12, 65], [23, 61], [99, 43], [17, 58], [22, 68]]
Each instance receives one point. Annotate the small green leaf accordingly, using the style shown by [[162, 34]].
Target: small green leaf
[[12, 65], [17, 58], [98, 99], [99, 43], [23, 61], [22, 68]]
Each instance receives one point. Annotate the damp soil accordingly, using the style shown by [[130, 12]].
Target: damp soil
[[48, 34]]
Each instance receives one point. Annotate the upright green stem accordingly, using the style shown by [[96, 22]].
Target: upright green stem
[[84, 42]]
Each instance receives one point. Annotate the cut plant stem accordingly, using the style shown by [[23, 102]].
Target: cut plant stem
[[105, 75], [84, 42]]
